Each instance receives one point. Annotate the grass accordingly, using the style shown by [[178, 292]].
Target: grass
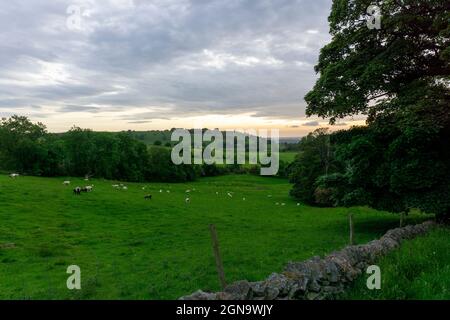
[[288, 156], [129, 248], [419, 270]]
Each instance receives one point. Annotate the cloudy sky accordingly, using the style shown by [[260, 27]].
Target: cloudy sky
[[155, 64]]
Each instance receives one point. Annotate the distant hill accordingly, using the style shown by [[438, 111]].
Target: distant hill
[[153, 136], [163, 138]]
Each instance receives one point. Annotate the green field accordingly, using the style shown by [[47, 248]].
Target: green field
[[288, 156], [130, 248]]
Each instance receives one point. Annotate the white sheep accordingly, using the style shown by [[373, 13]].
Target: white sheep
[[125, 188], [14, 175], [188, 200], [66, 183]]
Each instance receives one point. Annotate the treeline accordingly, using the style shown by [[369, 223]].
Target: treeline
[[28, 148], [397, 163]]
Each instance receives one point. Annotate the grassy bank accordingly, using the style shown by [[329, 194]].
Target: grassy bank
[[419, 269]]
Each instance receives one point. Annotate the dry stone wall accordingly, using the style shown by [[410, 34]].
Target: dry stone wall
[[317, 278]]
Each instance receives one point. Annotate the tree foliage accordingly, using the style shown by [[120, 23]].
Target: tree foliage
[[398, 77], [360, 64]]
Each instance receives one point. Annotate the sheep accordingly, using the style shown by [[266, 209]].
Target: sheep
[[66, 183], [125, 188], [298, 204], [188, 191], [148, 197], [188, 200], [87, 189], [160, 191], [116, 186], [243, 199], [77, 191], [14, 175], [283, 204]]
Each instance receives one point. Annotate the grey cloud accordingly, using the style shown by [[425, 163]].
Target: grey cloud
[[312, 124], [75, 108], [140, 121], [259, 56]]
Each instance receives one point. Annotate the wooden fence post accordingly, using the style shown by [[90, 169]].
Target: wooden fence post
[[219, 265], [352, 229], [402, 219]]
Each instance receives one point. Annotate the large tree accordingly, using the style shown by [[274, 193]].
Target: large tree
[[364, 69], [398, 76]]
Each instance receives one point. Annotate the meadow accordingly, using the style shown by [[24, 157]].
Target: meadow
[[131, 248], [419, 270]]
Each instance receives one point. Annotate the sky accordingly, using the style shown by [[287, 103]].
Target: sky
[[158, 64]]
